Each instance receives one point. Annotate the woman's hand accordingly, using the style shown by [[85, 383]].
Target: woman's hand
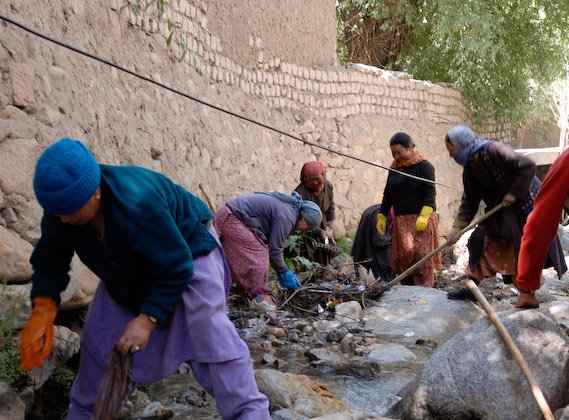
[[454, 235], [508, 200], [136, 334]]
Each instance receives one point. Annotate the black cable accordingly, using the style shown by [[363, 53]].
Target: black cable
[[201, 101]]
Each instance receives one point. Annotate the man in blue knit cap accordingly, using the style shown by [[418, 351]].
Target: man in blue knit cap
[[164, 280]]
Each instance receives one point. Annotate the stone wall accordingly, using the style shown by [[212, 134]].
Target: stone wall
[[50, 92]]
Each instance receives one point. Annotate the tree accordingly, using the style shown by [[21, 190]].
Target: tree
[[501, 53]]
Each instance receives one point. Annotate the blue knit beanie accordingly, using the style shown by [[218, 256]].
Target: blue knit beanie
[[67, 175]]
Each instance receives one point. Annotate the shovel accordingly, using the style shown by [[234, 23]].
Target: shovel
[[379, 290]]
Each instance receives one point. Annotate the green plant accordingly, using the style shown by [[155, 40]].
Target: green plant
[[159, 7], [10, 371], [499, 53], [345, 243], [293, 246]]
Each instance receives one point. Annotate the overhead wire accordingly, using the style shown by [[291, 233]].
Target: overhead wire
[[209, 104]]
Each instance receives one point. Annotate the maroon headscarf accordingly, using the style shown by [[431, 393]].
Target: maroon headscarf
[[313, 176]]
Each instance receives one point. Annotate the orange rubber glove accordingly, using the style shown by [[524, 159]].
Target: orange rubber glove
[[36, 339], [423, 218]]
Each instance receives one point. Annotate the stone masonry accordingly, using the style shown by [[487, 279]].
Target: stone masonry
[[286, 82]]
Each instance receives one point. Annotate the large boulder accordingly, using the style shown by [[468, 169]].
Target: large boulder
[[413, 312], [66, 344], [11, 405], [14, 257], [299, 393], [474, 375]]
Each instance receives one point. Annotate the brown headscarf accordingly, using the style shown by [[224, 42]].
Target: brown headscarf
[[313, 169]]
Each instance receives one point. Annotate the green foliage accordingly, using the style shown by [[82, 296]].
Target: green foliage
[[345, 243], [292, 250], [158, 8], [291, 245], [10, 371], [64, 376], [499, 52]]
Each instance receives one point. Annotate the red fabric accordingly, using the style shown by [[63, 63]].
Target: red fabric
[[313, 169], [542, 223], [413, 160], [247, 256]]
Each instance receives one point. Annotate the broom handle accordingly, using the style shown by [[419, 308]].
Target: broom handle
[[535, 389], [206, 196], [422, 261]]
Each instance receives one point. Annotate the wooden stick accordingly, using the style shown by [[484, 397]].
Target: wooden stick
[[536, 391], [206, 196], [423, 260]]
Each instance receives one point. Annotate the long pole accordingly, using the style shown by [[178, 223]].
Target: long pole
[[206, 196], [535, 389], [423, 260]]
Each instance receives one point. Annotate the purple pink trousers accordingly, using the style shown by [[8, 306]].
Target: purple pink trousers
[[247, 256], [199, 333]]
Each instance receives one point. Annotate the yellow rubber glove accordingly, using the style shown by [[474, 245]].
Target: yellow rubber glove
[[36, 339], [380, 225], [423, 218]]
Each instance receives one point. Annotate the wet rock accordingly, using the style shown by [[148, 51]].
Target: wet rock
[[157, 411], [293, 337], [348, 311], [354, 327], [287, 414], [322, 355], [321, 337], [12, 406], [326, 326], [299, 393], [350, 415], [277, 332], [562, 414], [14, 257], [403, 312], [357, 367], [335, 336], [269, 359], [391, 353], [308, 329], [474, 375], [65, 345], [349, 343], [27, 396], [301, 324]]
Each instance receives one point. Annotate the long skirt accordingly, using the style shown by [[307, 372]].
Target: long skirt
[[247, 256], [199, 332], [409, 246], [498, 256]]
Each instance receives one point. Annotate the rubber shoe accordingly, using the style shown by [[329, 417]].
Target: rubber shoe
[[263, 303], [463, 293]]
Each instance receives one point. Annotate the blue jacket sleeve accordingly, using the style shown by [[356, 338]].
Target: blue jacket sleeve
[[51, 260]]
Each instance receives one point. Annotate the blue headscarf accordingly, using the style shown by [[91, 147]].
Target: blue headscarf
[[308, 210], [466, 143]]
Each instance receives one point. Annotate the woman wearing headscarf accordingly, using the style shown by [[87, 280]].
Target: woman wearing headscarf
[[494, 173], [319, 244], [252, 229], [315, 187], [164, 281], [415, 225]]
